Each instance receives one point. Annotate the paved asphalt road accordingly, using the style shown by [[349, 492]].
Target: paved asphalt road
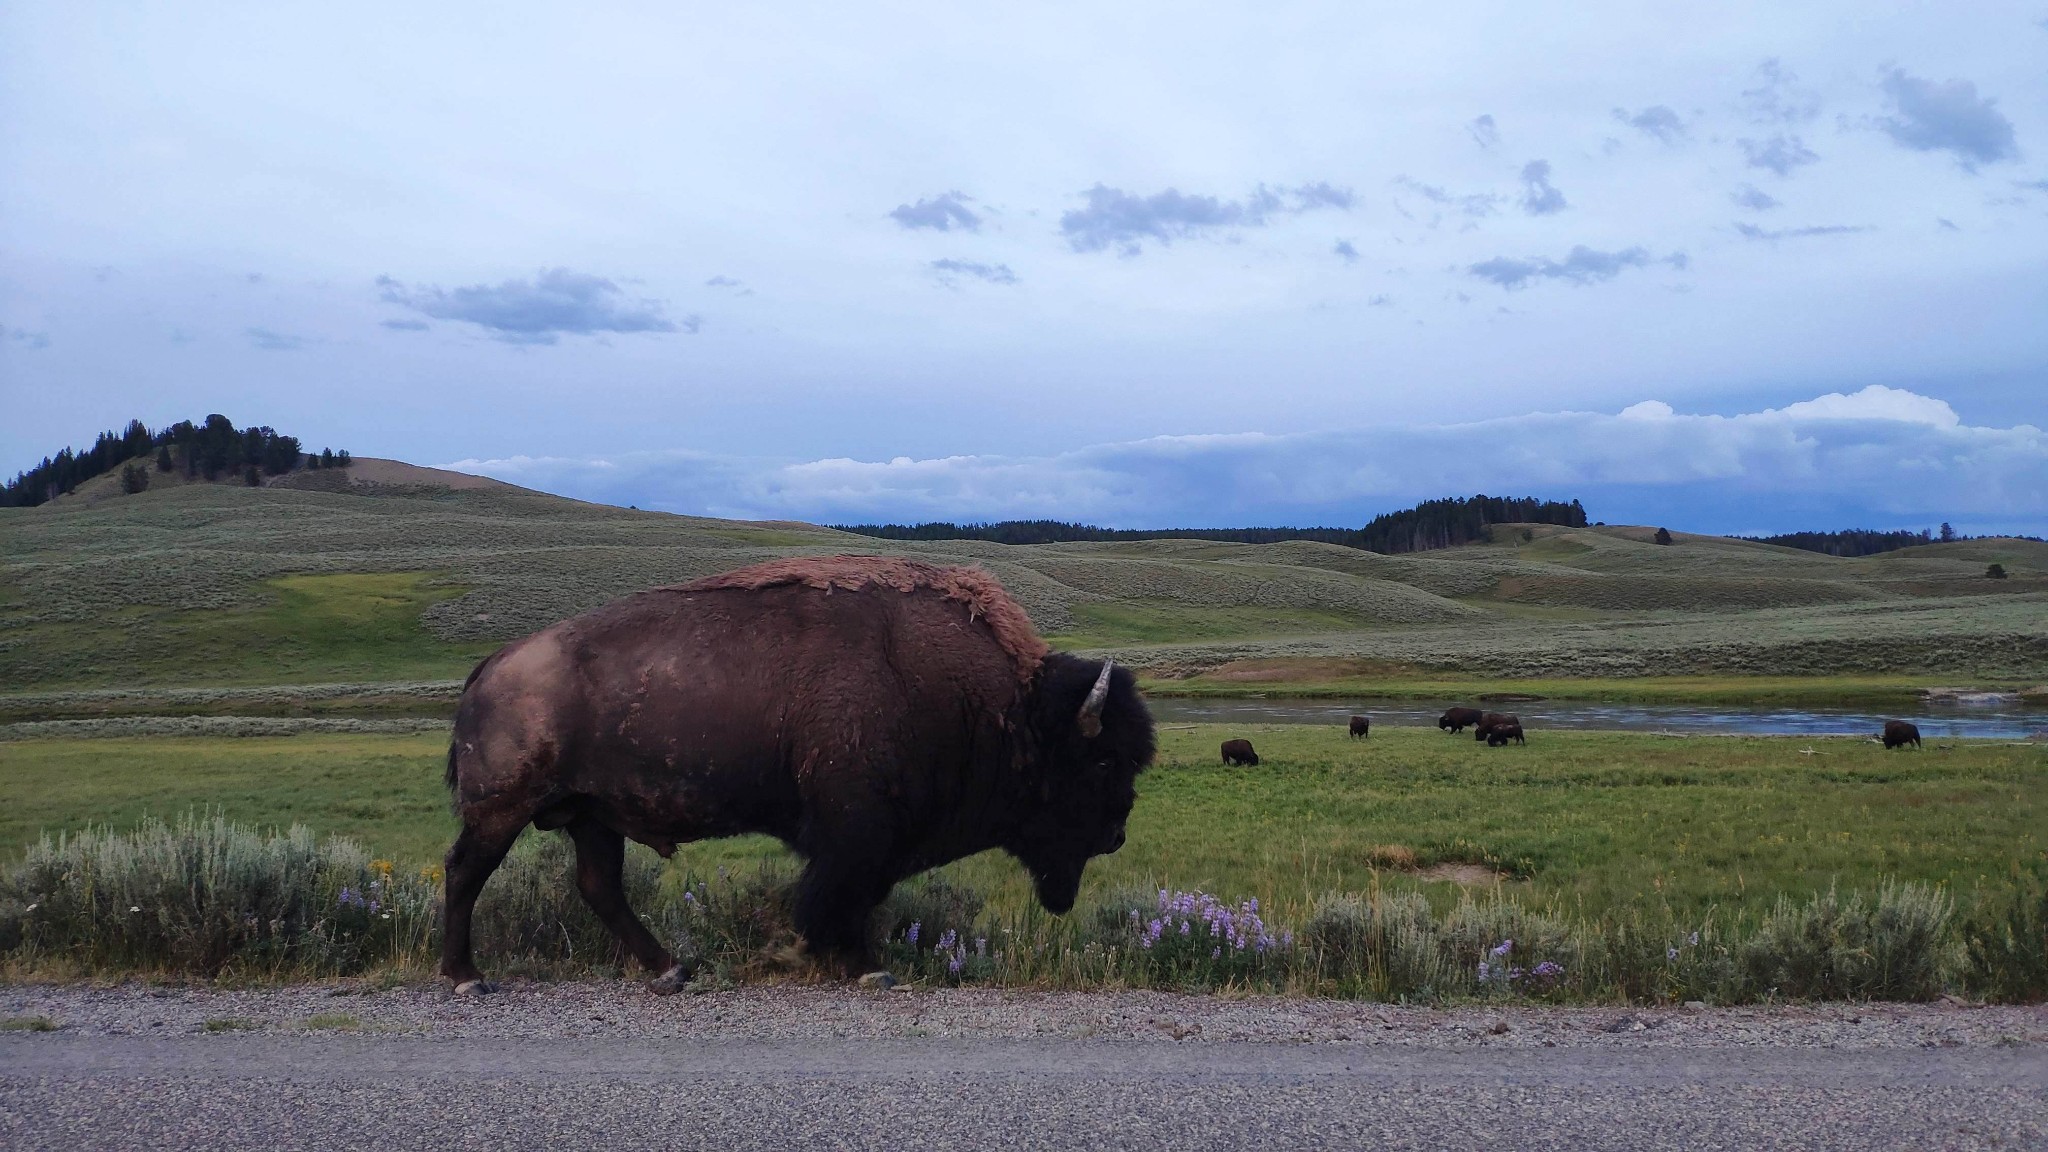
[[231, 1091]]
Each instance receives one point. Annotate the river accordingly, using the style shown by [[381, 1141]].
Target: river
[[2001, 720]]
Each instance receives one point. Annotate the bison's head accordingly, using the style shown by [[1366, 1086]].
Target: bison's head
[[1091, 737]]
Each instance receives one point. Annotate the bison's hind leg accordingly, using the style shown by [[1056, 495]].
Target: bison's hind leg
[[477, 853], [600, 876]]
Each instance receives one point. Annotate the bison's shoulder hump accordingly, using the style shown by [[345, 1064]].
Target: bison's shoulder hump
[[978, 590]]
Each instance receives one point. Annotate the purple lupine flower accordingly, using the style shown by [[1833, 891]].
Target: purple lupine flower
[[1671, 954], [911, 936], [1504, 947], [1694, 940], [1548, 970], [689, 897], [953, 963], [1515, 974], [946, 940], [1484, 972], [1216, 954]]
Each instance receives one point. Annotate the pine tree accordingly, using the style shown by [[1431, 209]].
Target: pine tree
[[163, 459]]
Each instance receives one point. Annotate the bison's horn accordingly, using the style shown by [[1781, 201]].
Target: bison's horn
[[1091, 708]]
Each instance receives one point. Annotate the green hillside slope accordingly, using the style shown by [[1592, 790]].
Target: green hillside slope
[[412, 579]]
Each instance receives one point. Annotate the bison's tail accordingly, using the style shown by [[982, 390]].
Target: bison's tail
[[454, 743]]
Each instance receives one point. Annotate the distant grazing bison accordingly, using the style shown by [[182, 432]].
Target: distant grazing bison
[[1238, 753], [1498, 735], [1457, 720], [1898, 734], [1492, 720], [1361, 727], [879, 716]]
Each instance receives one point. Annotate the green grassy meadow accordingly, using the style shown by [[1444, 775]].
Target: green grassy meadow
[[350, 606], [1598, 821]]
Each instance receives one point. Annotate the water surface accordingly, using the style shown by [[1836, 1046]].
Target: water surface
[[2001, 720]]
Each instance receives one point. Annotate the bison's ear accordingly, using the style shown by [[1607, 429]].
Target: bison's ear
[[1090, 716]]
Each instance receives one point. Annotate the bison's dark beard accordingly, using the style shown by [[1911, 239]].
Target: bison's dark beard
[[1059, 886]]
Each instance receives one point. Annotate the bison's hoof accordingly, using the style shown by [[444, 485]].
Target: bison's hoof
[[670, 982], [475, 988], [880, 981]]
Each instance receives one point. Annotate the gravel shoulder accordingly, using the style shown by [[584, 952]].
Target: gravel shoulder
[[621, 1009], [597, 1064]]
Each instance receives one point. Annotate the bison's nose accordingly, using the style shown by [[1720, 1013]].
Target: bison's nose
[[1116, 841]]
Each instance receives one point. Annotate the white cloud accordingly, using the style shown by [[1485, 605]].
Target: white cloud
[[1879, 456], [1875, 402]]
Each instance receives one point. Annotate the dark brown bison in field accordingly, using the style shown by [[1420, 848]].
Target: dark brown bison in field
[[1238, 753], [880, 716], [1456, 720], [1499, 735], [1487, 723], [1899, 733], [1361, 727]]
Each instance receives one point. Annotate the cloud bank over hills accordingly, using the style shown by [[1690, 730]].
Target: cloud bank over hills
[[1880, 456]]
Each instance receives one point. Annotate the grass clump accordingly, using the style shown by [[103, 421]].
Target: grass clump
[[28, 1024], [2006, 941], [331, 1022]]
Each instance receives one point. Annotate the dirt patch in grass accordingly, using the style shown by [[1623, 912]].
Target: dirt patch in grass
[[1469, 874], [1298, 669]]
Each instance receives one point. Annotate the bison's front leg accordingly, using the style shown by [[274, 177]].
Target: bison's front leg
[[835, 899], [600, 876]]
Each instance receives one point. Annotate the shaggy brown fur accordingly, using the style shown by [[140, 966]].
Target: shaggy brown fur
[[984, 596]]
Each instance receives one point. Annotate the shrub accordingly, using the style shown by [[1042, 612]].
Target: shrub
[[1995, 572], [203, 895], [1837, 947], [1379, 945], [2006, 941]]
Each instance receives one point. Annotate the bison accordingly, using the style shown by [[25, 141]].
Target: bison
[[1492, 720], [1239, 753], [880, 716], [1499, 735], [1899, 733], [1361, 727], [1456, 720]]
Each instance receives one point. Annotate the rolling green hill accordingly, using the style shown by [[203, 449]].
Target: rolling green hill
[[392, 573]]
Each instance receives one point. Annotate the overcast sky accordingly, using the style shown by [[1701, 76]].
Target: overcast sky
[[1743, 268]]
